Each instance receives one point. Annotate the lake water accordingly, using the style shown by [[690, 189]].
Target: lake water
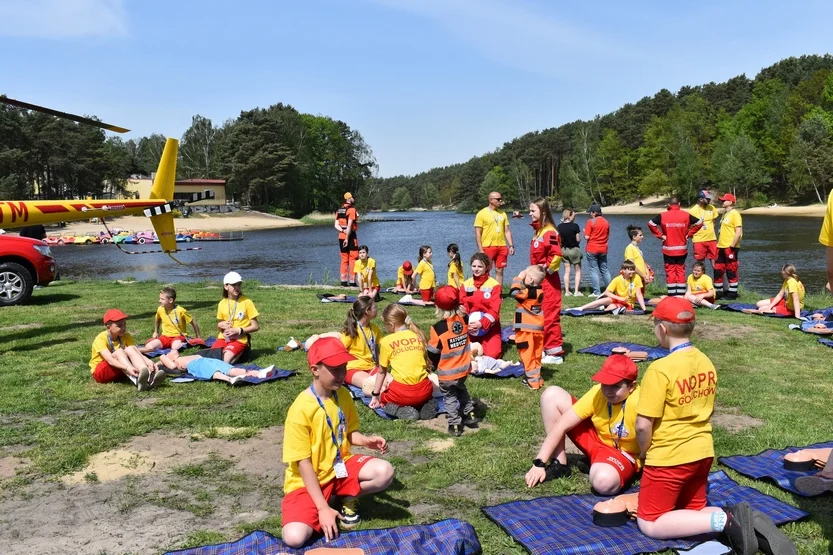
[[310, 255]]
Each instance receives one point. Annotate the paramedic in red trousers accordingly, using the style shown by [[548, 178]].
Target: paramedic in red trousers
[[347, 224], [545, 251], [675, 227]]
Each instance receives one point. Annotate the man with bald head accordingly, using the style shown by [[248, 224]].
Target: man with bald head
[[492, 233]]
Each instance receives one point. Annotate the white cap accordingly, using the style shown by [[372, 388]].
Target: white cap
[[231, 278]]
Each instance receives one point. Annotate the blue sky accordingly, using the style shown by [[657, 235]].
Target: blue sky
[[426, 82]]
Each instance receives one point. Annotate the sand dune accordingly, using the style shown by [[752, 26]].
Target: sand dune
[[237, 221]]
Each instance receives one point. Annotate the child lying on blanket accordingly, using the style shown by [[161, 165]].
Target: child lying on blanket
[[207, 368], [483, 364], [623, 293]]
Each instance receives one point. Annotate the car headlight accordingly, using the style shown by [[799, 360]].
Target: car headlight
[[43, 249]]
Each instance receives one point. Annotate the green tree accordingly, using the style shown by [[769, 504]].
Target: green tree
[[498, 180], [811, 156], [199, 150], [401, 199], [738, 163]]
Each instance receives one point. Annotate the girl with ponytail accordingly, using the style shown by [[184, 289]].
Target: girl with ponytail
[[360, 336]]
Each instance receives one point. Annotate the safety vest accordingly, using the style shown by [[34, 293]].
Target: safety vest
[[451, 338], [528, 315], [343, 216], [677, 226]]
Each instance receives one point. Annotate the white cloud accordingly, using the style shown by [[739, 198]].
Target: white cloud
[[58, 19], [511, 33]]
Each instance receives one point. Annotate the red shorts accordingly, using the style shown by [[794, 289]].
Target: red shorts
[[498, 255], [168, 340], [668, 488], [234, 347], [781, 307], [297, 505], [427, 294], [621, 304], [104, 373], [408, 395], [705, 250], [587, 439], [352, 372]]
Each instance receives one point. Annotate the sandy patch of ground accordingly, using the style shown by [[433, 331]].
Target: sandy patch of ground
[[440, 445], [237, 221], [10, 465], [656, 204], [731, 420], [713, 331]]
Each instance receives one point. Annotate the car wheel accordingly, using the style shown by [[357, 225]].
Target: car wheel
[[188, 239], [16, 284], [60, 241], [88, 242], [141, 241], [105, 241]]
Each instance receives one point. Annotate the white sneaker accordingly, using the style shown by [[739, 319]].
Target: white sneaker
[[578, 294], [266, 372], [551, 359], [619, 310], [566, 293]]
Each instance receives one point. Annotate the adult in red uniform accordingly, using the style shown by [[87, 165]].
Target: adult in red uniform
[[347, 224], [545, 251], [675, 227], [481, 293]]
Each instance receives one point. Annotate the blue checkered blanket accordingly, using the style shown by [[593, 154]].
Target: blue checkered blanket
[[564, 525], [278, 374], [357, 393], [596, 312], [826, 312], [506, 334], [512, 371], [330, 298], [770, 464], [810, 324], [826, 342], [209, 341], [740, 307], [606, 349], [448, 537]]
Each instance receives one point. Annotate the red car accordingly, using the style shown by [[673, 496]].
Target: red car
[[24, 263]]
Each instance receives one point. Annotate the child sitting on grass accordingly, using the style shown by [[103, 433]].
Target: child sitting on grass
[[174, 321], [450, 352], [675, 439], [529, 323], [115, 355], [207, 368], [602, 424], [321, 426], [790, 299], [237, 317], [361, 336], [623, 293], [700, 288]]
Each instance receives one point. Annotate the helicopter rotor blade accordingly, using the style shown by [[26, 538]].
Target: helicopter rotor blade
[[65, 115]]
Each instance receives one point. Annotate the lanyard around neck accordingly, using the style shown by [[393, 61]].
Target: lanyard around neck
[[681, 346], [231, 311], [370, 342], [112, 346], [341, 425], [621, 426]]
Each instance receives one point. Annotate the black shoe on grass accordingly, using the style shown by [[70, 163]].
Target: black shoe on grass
[[455, 430], [429, 409], [403, 413], [471, 421], [557, 470], [771, 540], [740, 529]]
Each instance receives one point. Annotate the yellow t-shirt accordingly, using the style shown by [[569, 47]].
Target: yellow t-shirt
[[731, 221], [791, 286], [701, 285], [359, 348], [175, 322], [425, 271], [594, 405], [240, 313], [367, 270], [102, 342], [493, 224], [826, 234], [403, 352], [306, 435], [621, 287], [708, 215], [400, 276], [634, 254], [678, 393], [455, 271]]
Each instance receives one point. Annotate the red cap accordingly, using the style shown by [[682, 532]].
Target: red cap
[[114, 315], [447, 298], [728, 196], [407, 269], [615, 369], [676, 310], [330, 351]]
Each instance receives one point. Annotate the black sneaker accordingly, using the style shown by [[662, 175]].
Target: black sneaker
[[429, 410], [471, 421], [740, 529], [771, 540], [557, 470], [403, 413], [583, 465], [353, 284], [344, 284], [350, 517], [455, 430]]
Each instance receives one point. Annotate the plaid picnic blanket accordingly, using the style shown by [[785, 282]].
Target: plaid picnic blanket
[[278, 374], [331, 298], [740, 307], [448, 537], [511, 371], [192, 342], [826, 342], [770, 464], [606, 349], [564, 525]]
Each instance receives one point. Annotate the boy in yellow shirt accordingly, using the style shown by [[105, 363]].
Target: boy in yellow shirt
[[174, 321], [320, 427], [700, 288], [366, 276], [114, 355], [602, 424], [675, 438], [623, 293]]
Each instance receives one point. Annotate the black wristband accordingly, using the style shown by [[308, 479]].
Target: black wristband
[[374, 394], [539, 463]]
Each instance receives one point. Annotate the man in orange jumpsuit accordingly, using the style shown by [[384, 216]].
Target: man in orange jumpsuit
[[347, 224]]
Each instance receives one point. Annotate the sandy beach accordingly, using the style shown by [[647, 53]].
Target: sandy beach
[[656, 204], [237, 221]]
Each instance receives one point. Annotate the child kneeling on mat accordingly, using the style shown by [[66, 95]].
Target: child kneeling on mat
[[602, 424], [675, 438], [320, 427], [410, 394], [623, 293]]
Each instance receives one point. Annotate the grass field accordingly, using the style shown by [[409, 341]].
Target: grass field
[[89, 468]]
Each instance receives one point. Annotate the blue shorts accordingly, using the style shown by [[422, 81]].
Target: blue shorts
[[205, 368]]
